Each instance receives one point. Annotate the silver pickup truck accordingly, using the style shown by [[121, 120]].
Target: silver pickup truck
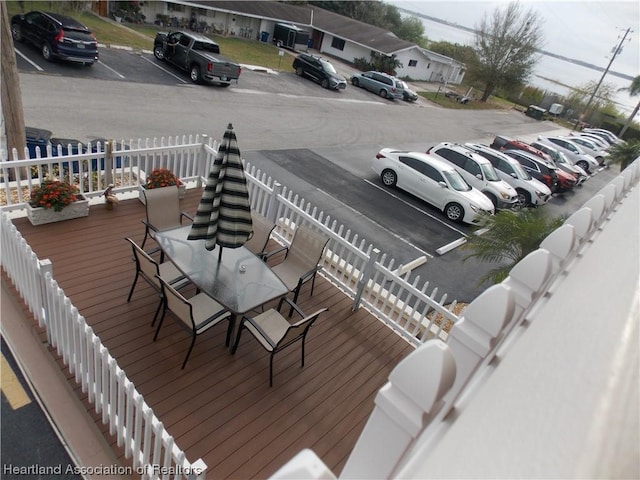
[[196, 54]]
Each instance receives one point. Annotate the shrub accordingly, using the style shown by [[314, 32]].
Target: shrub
[[161, 177], [53, 194]]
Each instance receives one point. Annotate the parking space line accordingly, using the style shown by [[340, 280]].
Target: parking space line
[[424, 212], [24, 57], [164, 69], [393, 234], [11, 387], [109, 68]]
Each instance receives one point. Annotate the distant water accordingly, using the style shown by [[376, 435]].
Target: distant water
[[550, 74]]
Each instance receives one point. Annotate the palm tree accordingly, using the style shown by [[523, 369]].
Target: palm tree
[[507, 237], [624, 153], [634, 91]]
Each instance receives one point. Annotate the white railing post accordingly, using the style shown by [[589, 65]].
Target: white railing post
[[403, 407], [272, 207], [367, 273], [45, 266], [201, 161]]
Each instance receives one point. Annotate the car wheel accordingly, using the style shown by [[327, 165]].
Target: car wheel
[[195, 74], [158, 52], [493, 199], [325, 83], [46, 51], [600, 160], [355, 82], [524, 198], [299, 71], [383, 93], [583, 165], [389, 178], [16, 32], [454, 212]]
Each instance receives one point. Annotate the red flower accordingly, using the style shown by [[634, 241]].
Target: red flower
[[161, 177], [53, 194]]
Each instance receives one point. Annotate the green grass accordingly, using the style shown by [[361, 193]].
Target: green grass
[[141, 36], [440, 99]]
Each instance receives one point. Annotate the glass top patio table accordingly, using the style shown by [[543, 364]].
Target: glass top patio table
[[240, 282]]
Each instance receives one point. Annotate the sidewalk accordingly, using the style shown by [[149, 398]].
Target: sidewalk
[[74, 426]]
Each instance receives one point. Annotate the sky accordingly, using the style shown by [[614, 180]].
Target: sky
[[583, 29]]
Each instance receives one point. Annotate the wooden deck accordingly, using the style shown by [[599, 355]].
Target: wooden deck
[[220, 408]]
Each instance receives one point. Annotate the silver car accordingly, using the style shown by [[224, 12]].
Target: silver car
[[574, 153], [383, 84], [529, 190]]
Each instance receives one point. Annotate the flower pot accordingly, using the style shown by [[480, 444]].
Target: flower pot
[[40, 215]]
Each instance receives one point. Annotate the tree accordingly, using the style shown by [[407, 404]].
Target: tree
[[509, 237], [580, 96], [634, 91], [624, 153], [10, 97], [411, 29], [506, 44]]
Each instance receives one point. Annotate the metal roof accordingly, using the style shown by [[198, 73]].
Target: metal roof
[[347, 28]]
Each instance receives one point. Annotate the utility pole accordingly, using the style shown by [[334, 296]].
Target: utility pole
[[616, 51]]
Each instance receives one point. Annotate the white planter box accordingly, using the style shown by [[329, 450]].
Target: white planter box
[[40, 215]]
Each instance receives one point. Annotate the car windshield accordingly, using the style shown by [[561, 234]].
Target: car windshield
[[456, 181], [489, 172], [327, 67], [561, 158], [520, 172]]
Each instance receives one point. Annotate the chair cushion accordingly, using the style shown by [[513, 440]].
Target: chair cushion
[[272, 323], [204, 307]]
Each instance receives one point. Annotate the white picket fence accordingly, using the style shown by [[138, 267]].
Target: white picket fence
[[123, 408]]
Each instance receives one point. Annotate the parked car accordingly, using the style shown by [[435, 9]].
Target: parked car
[[479, 173], [433, 180], [408, 95], [562, 162], [601, 132], [574, 153], [57, 36], [377, 82], [590, 147], [319, 70], [539, 169], [529, 190], [601, 142]]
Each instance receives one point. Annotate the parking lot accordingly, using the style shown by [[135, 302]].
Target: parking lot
[[317, 143]]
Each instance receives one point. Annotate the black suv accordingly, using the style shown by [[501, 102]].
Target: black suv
[[56, 36], [319, 70]]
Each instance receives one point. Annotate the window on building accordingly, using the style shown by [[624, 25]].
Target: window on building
[[175, 7], [413, 63], [337, 43]]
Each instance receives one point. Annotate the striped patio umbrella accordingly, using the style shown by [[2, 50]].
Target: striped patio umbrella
[[224, 212]]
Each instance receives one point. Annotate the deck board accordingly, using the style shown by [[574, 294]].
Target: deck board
[[220, 407]]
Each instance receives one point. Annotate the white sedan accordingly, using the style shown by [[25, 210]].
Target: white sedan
[[433, 180]]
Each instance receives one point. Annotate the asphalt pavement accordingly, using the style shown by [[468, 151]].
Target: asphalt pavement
[[31, 447]]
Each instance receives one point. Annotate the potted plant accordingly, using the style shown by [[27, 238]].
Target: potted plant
[[53, 201], [162, 177]]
